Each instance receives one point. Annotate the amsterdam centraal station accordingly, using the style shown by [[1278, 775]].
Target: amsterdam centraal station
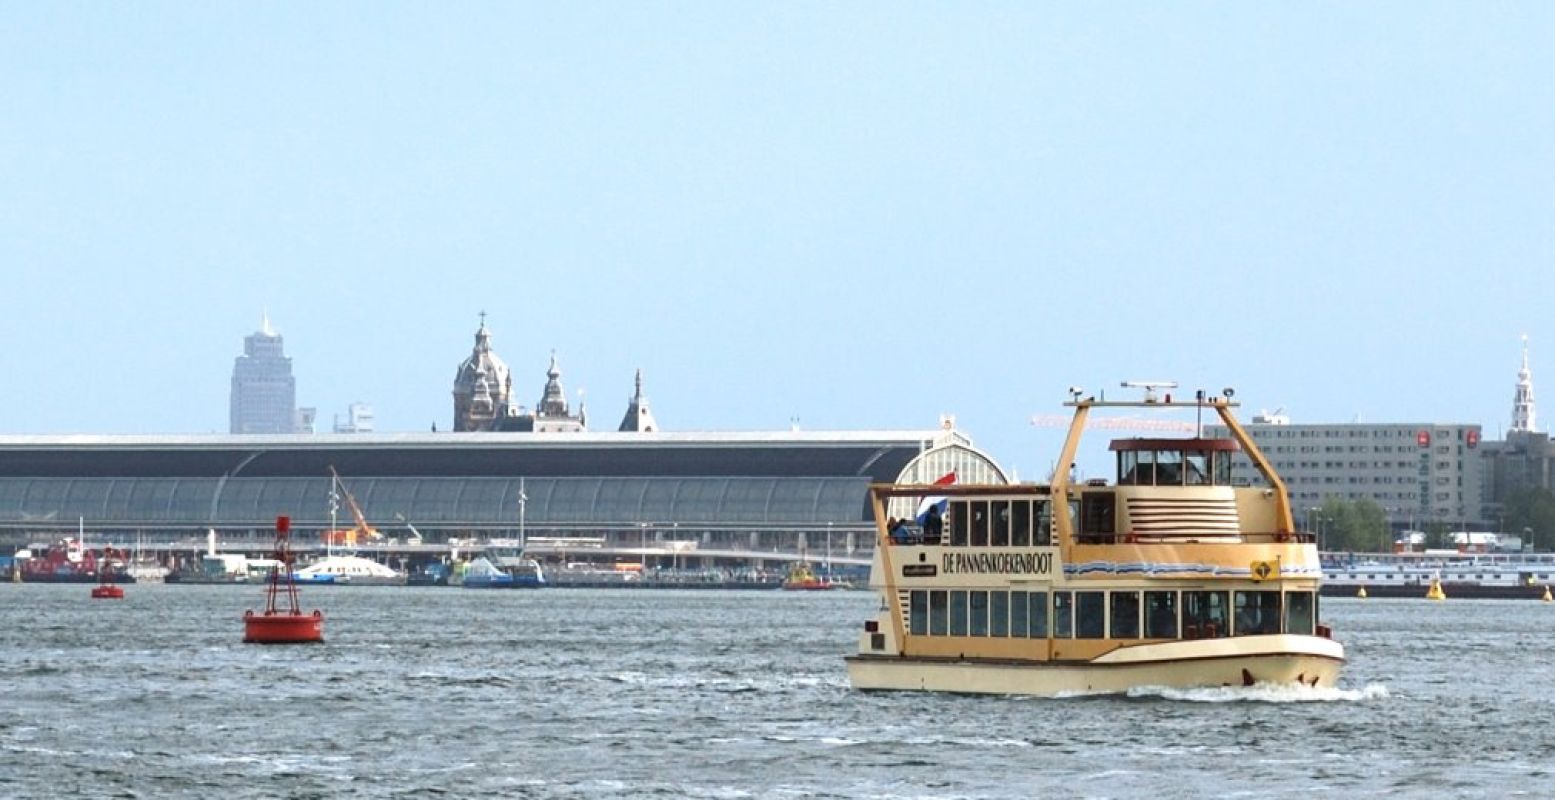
[[501, 467]]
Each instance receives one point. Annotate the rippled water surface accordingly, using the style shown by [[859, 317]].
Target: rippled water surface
[[620, 693]]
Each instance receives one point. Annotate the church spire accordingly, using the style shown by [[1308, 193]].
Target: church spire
[[638, 418], [1523, 418]]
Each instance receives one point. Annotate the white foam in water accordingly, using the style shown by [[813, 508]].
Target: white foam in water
[[1265, 693]]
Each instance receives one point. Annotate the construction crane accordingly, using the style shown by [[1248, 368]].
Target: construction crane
[[349, 536]]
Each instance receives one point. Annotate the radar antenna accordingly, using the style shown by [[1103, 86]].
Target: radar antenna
[[1150, 388]]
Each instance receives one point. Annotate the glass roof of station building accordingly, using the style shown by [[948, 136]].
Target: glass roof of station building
[[468, 481]]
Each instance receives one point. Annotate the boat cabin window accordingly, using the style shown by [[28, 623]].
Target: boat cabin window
[[918, 615], [958, 613], [1160, 615], [1125, 615], [1257, 613], [1097, 516], [1018, 615], [1196, 462], [1090, 615], [1063, 615], [1020, 523], [998, 613], [1204, 615], [1136, 468], [997, 523], [1299, 616], [979, 519], [939, 613], [978, 602], [1195, 470]]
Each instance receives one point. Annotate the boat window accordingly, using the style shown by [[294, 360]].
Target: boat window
[[978, 601], [1044, 532], [1142, 473], [1222, 462], [1196, 467], [1125, 615], [999, 519], [1168, 468], [1298, 613], [1096, 516], [919, 615], [1257, 613], [1063, 614], [958, 519], [957, 613], [1204, 615], [1038, 615], [1128, 467], [1020, 523], [939, 608], [1017, 614], [1090, 615], [1160, 615], [998, 613], [979, 511]]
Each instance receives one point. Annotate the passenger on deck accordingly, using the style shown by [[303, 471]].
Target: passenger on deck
[[898, 530], [933, 526]]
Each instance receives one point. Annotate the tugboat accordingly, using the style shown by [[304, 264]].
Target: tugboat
[[1167, 576], [803, 579]]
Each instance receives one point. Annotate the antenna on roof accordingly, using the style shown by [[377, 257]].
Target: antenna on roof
[[1150, 388]]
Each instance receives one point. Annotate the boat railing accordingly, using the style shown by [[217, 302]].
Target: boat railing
[[1188, 537]]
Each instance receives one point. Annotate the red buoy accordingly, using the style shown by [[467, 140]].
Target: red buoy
[[282, 626], [106, 590]]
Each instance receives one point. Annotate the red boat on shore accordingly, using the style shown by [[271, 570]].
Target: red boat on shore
[[68, 562]]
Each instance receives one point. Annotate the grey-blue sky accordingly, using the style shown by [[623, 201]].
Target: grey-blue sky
[[860, 215]]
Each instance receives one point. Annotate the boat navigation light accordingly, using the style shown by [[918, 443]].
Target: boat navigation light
[[1229, 392], [1074, 393]]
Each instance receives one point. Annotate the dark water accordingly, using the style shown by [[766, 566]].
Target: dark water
[[601, 693]]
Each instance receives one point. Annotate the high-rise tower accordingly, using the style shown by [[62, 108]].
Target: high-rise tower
[[264, 393], [1523, 419]]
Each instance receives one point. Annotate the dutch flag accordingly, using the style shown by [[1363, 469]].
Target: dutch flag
[[941, 502]]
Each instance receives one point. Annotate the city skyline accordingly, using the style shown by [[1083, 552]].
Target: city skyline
[[1345, 215]]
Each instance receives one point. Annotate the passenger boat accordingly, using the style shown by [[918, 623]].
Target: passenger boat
[[1458, 576], [353, 570], [1168, 576]]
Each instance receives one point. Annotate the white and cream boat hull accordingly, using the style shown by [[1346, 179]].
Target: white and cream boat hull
[[1240, 661]]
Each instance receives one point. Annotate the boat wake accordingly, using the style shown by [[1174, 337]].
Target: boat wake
[[1265, 693]]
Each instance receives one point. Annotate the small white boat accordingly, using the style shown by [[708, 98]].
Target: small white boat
[[353, 570]]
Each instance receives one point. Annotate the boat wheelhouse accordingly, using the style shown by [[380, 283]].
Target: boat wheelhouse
[[1167, 575]]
